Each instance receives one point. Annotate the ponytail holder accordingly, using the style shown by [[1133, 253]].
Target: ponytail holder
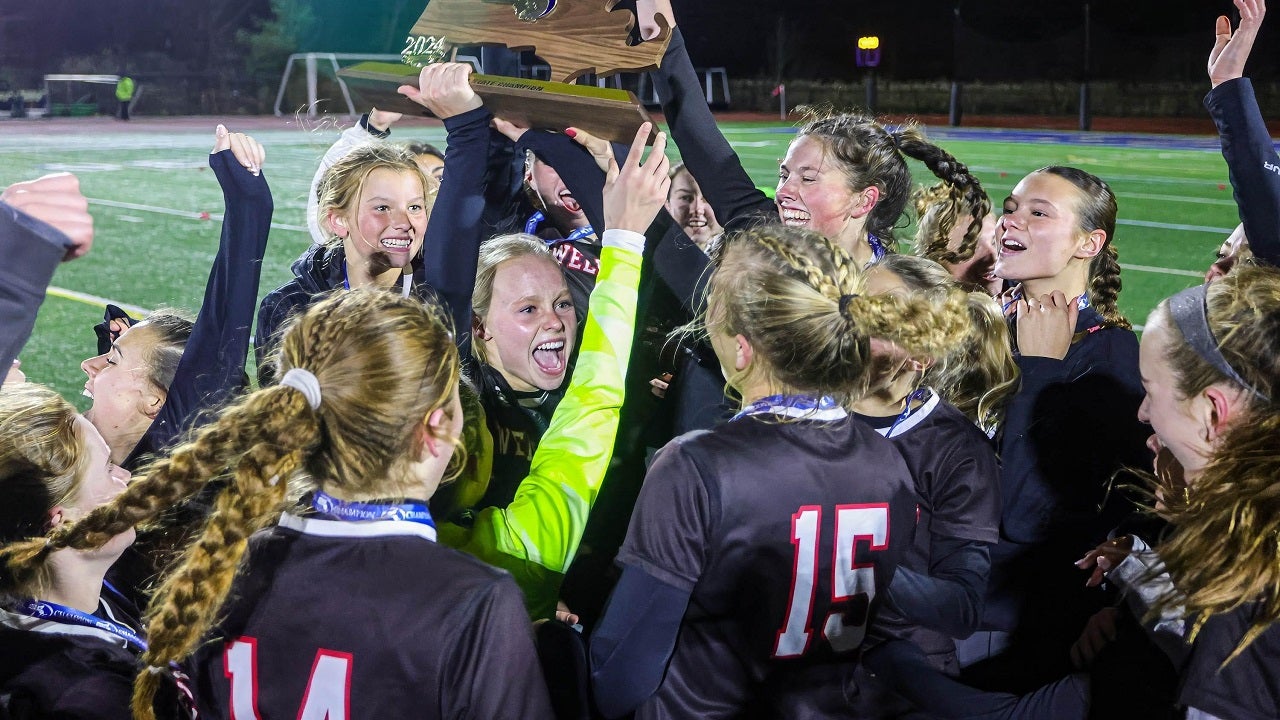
[[155, 669], [844, 303], [304, 382], [897, 143]]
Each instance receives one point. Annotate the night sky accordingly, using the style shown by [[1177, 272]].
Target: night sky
[[1139, 40]]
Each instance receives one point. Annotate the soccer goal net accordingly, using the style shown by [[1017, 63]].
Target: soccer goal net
[[80, 95]]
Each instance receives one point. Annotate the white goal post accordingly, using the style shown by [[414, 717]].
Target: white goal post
[[312, 60]]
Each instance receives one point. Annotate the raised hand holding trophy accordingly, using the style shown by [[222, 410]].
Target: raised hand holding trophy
[[573, 37]]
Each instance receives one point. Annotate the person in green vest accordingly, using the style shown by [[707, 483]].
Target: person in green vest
[[124, 93]]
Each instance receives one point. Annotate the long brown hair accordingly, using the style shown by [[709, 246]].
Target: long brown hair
[[1096, 209], [869, 154], [1225, 550], [383, 364]]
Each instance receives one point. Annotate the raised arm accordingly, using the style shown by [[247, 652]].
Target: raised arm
[[706, 153], [1252, 162], [537, 535], [451, 247], [212, 365]]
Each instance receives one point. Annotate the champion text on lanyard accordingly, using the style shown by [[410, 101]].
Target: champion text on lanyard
[[796, 406], [70, 616], [331, 508]]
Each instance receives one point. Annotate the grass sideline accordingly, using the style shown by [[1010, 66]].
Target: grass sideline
[[148, 193]]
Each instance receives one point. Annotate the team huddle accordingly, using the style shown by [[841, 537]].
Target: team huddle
[[544, 426]]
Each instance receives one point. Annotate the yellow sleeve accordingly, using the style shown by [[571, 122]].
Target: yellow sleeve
[[536, 536]]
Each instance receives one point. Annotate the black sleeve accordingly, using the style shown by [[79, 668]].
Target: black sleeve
[[678, 260], [949, 598], [672, 524], [576, 168], [1252, 163], [904, 668], [634, 641], [492, 667], [451, 246], [1067, 431], [212, 365], [271, 314], [706, 153], [32, 250], [965, 497]]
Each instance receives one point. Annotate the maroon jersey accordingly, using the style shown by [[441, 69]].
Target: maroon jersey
[[784, 531], [333, 619]]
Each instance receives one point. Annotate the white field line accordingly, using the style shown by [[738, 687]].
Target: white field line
[[1177, 198], [101, 302], [1175, 226], [1162, 270], [181, 213]]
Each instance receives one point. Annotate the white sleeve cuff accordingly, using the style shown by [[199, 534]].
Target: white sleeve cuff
[[623, 239]]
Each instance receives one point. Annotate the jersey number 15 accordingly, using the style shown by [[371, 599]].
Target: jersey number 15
[[853, 585]]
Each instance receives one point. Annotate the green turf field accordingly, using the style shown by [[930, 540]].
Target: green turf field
[[152, 248]]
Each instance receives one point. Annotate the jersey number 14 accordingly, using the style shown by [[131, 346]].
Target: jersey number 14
[[853, 585], [328, 694]]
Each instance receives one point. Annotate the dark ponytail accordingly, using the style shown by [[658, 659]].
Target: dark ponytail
[[964, 190]]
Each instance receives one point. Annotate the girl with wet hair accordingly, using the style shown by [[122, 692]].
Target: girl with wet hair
[[761, 501], [69, 645], [367, 416], [1080, 388]]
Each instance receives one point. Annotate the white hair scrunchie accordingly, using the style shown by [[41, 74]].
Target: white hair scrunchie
[[304, 382]]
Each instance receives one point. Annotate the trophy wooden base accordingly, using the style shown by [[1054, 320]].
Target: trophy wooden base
[[604, 112]]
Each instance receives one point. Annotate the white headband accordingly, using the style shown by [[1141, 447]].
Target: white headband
[[304, 382]]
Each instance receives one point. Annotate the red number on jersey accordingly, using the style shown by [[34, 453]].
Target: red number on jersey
[[853, 585], [328, 695]]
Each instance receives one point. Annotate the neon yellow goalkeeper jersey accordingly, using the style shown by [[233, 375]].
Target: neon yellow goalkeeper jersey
[[536, 537]]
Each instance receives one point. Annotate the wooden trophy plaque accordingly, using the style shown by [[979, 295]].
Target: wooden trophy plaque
[[572, 37]]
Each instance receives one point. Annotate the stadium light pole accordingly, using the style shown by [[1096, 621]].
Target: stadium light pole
[[868, 57], [1086, 116], [954, 111]]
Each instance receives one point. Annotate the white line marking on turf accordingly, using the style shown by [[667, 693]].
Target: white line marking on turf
[[1176, 198], [101, 302], [1161, 270], [181, 213], [1175, 226]]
